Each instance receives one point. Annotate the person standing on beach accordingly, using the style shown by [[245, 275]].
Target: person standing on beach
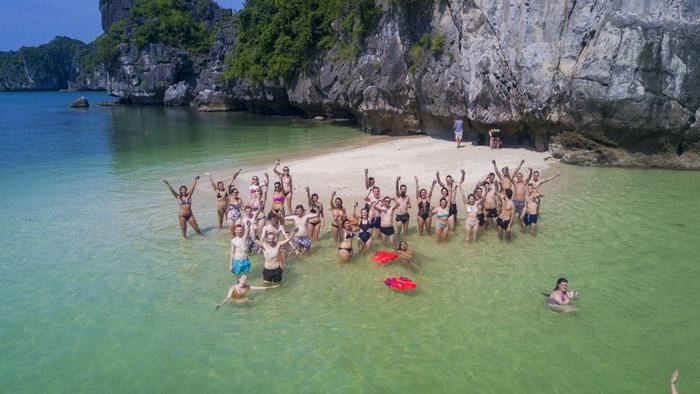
[[273, 266], [506, 216], [459, 132], [287, 188], [386, 211], [184, 200], [451, 190], [404, 202], [424, 217], [221, 196]]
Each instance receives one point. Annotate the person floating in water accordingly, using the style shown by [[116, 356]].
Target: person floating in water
[[184, 200], [560, 296], [406, 257], [240, 290]]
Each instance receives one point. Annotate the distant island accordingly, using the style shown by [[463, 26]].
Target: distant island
[[601, 83]]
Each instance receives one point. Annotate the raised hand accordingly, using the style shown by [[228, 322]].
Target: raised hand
[[366, 171], [306, 188]]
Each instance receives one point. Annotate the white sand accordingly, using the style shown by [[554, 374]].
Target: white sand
[[407, 157]]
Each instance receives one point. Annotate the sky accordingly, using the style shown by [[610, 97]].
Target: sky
[[36, 22]]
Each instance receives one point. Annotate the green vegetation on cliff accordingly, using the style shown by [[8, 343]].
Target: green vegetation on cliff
[[177, 23], [276, 39], [46, 67]]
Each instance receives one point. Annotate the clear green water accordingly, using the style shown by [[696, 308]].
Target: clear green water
[[100, 295]]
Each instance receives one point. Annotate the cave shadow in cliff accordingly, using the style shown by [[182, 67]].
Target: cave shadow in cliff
[[482, 139]]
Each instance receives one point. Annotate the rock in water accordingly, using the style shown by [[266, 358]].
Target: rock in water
[[177, 94], [80, 103]]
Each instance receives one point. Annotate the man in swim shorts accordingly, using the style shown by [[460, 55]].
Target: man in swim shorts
[[373, 199], [273, 266], [506, 216], [519, 186], [532, 204], [490, 199], [386, 211], [459, 131], [404, 202], [238, 257], [301, 239]]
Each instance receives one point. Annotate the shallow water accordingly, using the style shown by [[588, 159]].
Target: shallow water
[[100, 294]]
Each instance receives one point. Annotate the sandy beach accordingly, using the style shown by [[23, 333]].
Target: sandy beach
[[421, 156]]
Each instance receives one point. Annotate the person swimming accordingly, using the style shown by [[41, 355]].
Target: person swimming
[[239, 291], [560, 296]]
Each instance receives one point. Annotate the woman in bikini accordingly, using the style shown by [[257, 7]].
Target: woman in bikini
[[339, 215], [233, 214], [257, 200], [471, 225], [364, 240], [423, 197], [287, 188], [345, 247], [560, 297], [221, 196], [442, 214], [278, 201], [184, 200], [315, 206]]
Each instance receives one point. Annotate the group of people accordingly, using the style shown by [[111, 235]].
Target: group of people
[[501, 198]]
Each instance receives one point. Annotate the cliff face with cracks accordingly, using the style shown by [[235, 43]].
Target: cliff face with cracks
[[599, 83]]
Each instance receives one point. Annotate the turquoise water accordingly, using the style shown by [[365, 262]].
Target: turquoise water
[[100, 294]]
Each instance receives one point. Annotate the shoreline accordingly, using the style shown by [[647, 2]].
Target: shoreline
[[342, 169]]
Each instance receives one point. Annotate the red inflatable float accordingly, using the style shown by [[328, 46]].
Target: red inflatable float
[[383, 257], [400, 284]]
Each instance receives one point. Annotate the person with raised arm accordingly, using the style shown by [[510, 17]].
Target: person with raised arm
[[274, 265], [315, 207], [346, 236], [287, 186], [338, 214], [233, 211], [471, 225], [519, 191], [506, 215], [369, 181], [278, 200], [239, 263], [529, 215], [442, 223], [364, 240], [451, 190], [674, 377], [423, 197], [537, 182], [404, 201], [221, 191], [386, 217], [184, 201], [490, 200], [504, 175], [480, 197], [373, 197], [239, 291], [301, 238]]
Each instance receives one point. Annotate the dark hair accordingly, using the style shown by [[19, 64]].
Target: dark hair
[[509, 193], [239, 225], [559, 282], [299, 207], [403, 242], [341, 201], [472, 196], [219, 183], [403, 186], [183, 186], [345, 221], [314, 195], [271, 215], [370, 179], [443, 199], [422, 190], [444, 189]]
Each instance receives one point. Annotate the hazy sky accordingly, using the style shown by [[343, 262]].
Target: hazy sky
[[36, 22]]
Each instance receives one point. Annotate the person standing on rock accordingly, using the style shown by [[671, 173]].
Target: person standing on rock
[[459, 132]]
